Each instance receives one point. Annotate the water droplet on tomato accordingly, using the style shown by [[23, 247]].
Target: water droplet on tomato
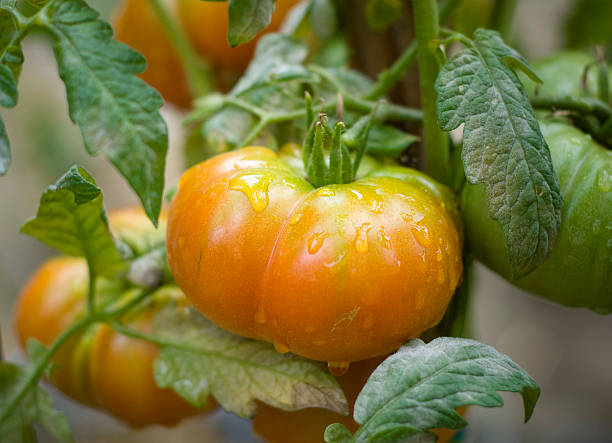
[[604, 179], [283, 349], [316, 241], [338, 368], [334, 263], [361, 237], [296, 218], [406, 217], [254, 187], [421, 234], [370, 198], [325, 192], [384, 237]]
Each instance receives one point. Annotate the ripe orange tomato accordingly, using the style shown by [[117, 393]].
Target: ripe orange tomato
[[100, 367], [341, 273], [51, 300], [206, 24], [138, 26], [121, 374], [308, 425]]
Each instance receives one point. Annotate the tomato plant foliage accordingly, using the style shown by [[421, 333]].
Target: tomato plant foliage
[[503, 146], [419, 387], [118, 113], [295, 90]]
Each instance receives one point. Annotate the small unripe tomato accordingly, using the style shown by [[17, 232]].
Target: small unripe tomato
[[562, 74], [99, 367], [341, 273], [578, 270], [138, 26], [308, 425]]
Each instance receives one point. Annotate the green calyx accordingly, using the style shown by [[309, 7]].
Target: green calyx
[[326, 157]]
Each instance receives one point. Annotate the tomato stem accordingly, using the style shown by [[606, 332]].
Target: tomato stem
[[582, 105], [198, 73], [502, 18], [91, 317], [388, 78], [436, 141]]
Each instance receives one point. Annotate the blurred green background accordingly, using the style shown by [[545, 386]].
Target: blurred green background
[[567, 351]]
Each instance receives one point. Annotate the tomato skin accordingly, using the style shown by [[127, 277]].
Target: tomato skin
[[206, 24], [308, 425], [562, 75], [137, 26], [122, 380], [51, 300], [578, 271], [99, 367], [338, 274]]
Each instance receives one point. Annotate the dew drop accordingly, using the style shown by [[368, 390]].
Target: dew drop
[[254, 187], [325, 192], [604, 179], [438, 255], [361, 237], [421, 234], [283, 349], [338, 368], [296, 218], [334, 263], [384, 237], [316, 241]]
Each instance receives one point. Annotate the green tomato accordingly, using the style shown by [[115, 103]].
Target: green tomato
[[578, 271], [562, 73]]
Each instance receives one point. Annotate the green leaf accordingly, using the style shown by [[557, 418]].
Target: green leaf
[[117, 112], [72, 219], [381, 14], [226, 129], [200, 359], [8, 87], [384, 140], [420, 386], [11, 59], [278, 58], [503, 146], [5, 149], [388, 141], [35, 407], [247, 18]]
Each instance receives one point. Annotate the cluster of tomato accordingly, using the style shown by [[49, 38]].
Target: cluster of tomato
[[344, 273], [206, 25]]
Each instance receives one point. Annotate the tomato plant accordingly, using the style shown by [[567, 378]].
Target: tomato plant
[[584, 243], [312, 270], [100, 367]]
